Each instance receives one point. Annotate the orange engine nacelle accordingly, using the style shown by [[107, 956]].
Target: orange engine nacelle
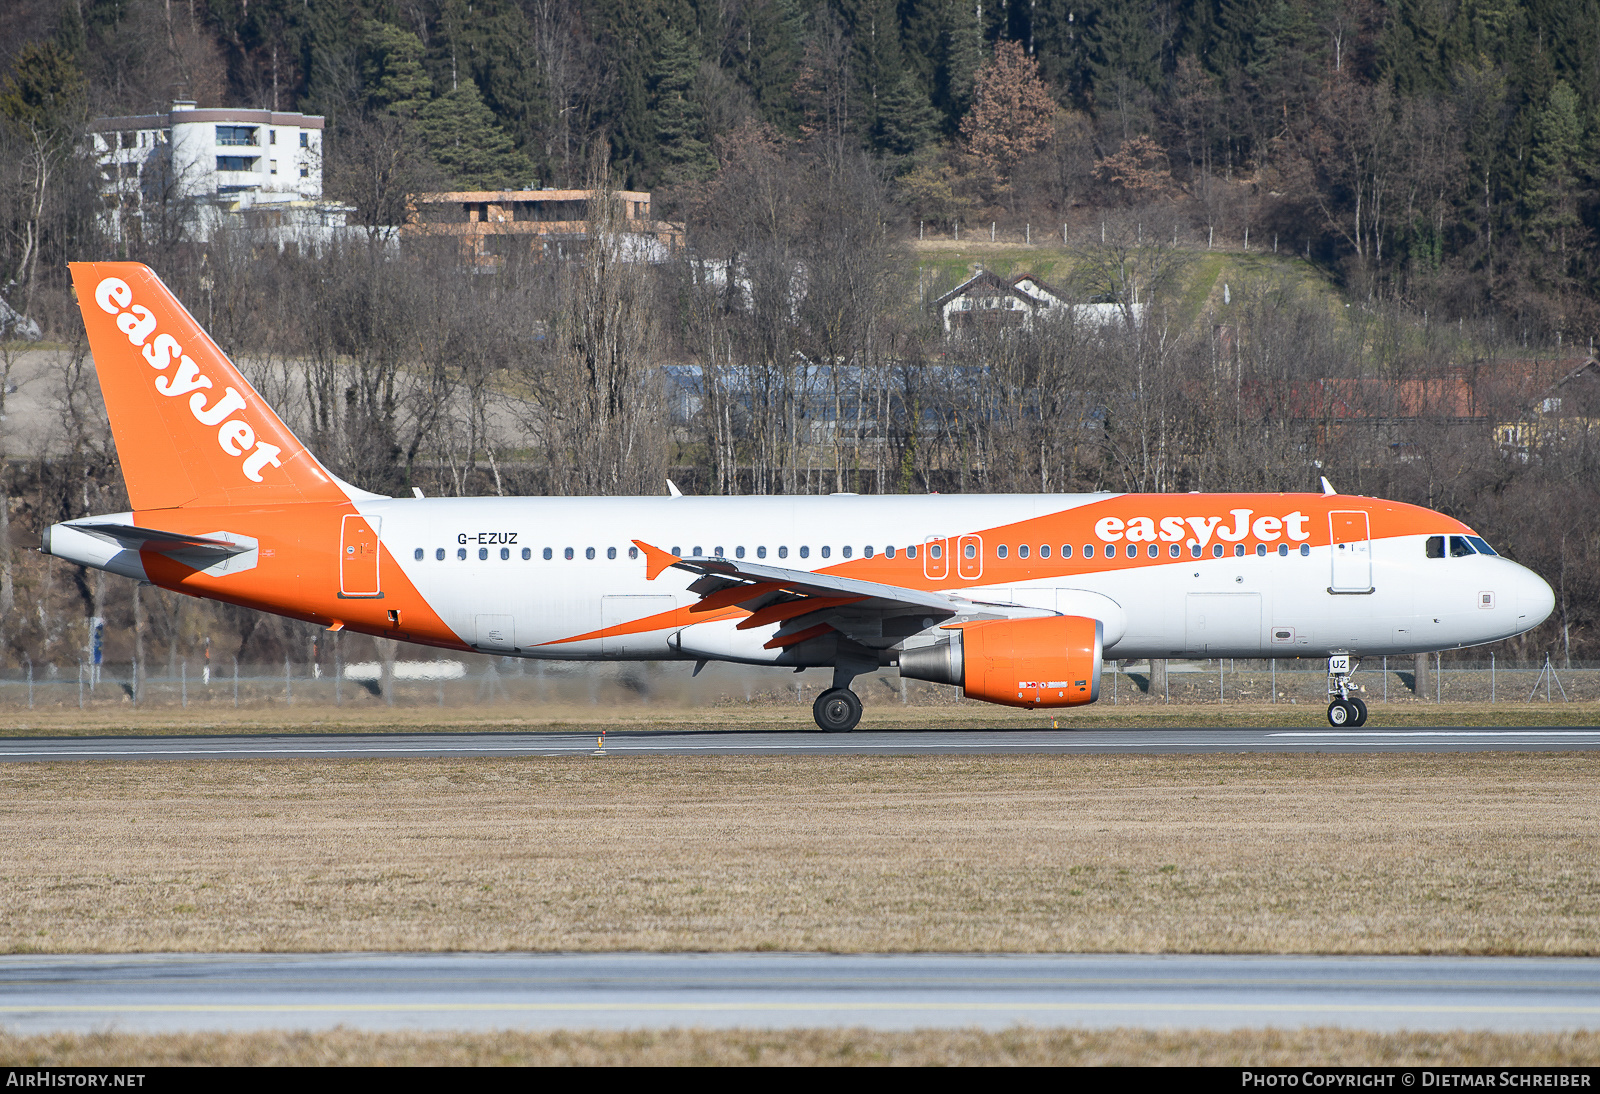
[[1052, 661]]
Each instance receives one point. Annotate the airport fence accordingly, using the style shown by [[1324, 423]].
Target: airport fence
[[475, 681]]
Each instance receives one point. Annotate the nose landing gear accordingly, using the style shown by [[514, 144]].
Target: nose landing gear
[[1344, 710]]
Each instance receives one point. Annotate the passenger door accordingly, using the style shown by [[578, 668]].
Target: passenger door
[[1351, 548], [358, 557]]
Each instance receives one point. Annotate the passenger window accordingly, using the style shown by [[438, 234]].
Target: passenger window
[[1066, 550], [461, 553], [1305, 550], [1044, 550], [505, 553], [611, 552], [911, 552], [827, 551], [1283, 550], [633, 552], [805, 552], [439, 555], [418, 555], [866, 552], [738, 552], [1194, 550], [935, 550], [1088, 551], [588, 553], [1022, 551], [783, 552], [676, 550], [1261, 550], [1000, 551], [1153, 551], [717, 552], [1238, 550], [1216, 550], [1133, 550], [483, 553], [888, 552], [972, 551], [527, 553], [567, 554], [1173, 551], [845, 551], [761, 552], [547, 554], [1459, 547], [697, 552], [1435, 547]]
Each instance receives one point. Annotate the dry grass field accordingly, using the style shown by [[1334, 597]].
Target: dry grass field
[[1473, 853], [811, 1047]]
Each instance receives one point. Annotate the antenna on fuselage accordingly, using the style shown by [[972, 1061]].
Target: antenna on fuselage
[[672, 488], [1327, 488]]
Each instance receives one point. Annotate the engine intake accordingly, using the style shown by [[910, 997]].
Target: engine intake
[[1052, 661]]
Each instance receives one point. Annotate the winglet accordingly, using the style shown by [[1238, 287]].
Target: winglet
[[1327, 488], [655, 559], [672, 489]]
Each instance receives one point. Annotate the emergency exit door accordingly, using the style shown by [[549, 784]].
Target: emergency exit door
[[358, 557]]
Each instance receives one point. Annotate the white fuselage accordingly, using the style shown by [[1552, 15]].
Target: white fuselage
[[1251, 606]]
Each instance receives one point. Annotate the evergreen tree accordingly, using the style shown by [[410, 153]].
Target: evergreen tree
[[907, 121], [1551, 196], [876, 58], [462, 137], [679, 121], [963, 56], [763, 49], [392, 72]]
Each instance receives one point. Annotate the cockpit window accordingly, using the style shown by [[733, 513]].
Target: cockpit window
[[1459, 547], [1435, 546], [1483, 548]]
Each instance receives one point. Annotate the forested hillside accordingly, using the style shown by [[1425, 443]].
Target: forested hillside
[[1446, 152]]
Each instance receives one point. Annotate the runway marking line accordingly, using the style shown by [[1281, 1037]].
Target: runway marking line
[[743, 1005], [902, 983]]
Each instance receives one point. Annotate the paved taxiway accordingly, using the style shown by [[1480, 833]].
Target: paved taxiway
[[870, 743], [900, 991]]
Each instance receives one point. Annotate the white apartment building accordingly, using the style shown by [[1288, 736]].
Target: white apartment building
[[201, 170]]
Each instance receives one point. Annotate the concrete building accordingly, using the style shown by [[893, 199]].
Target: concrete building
[[194, 172], [491, 225]]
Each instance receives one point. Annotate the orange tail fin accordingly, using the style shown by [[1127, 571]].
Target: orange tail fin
[[190, 430]]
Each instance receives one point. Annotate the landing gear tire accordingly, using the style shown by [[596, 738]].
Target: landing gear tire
[[1343, 712], [1361, 712], [837, 710]]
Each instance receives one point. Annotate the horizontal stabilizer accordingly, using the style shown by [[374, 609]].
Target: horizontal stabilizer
[[133, 538]]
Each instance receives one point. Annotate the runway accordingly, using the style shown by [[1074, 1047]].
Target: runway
[[805, 743], [164, 992]]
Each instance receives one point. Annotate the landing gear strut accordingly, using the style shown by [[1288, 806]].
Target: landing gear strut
[[837, 710], [1344, 710]]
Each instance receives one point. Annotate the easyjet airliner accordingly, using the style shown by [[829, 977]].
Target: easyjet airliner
[[1015, 598]]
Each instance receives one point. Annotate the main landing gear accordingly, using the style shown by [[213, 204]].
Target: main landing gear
[[1345, 710], [838, 710]]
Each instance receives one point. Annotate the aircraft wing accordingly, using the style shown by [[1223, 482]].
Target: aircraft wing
[[807, 604]]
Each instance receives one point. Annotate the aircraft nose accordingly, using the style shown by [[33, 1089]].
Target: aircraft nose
[[1535, 599]]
